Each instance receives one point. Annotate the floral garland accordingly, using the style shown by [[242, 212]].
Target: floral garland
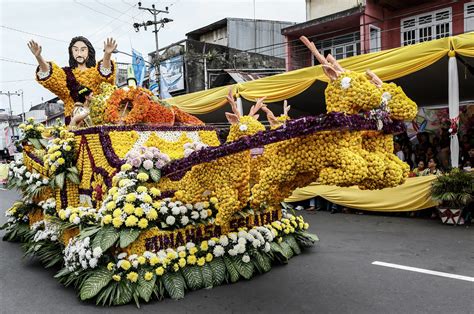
[[137, 104]]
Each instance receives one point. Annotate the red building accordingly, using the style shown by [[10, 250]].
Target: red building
[[346, 28]]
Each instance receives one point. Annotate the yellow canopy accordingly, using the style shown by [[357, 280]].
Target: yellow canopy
[[414, 194], [387, 64]]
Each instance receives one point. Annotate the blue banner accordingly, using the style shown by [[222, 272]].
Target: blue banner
[[138, 64]]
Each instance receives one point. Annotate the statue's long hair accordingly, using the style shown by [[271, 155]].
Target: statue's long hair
[[90, 62]]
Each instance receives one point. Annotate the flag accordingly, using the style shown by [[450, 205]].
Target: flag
[[138, 64]]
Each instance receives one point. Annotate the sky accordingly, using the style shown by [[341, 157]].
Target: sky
[[53, 23]]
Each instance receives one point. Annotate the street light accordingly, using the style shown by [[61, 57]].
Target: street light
[[22, 105]]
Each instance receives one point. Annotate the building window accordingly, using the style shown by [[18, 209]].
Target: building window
[[340, 47], [375, 38], [426, 26], [469, 17]]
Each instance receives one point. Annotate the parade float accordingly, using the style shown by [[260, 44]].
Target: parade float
[[147, 203]]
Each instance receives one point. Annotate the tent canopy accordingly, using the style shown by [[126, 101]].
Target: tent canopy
[[421, 70]]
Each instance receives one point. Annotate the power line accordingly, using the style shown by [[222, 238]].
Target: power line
[[112, 21], [29, 33], [91, 8], [16, 61], [15, 81]]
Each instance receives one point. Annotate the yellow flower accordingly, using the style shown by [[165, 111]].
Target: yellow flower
[[152, 214], [117, 213], [182, 254], [159, 271], [142, 189], [116, 277], [62, 214], [110, 205], [128, 208], [213, 200], [29, 127], [117, 222], [182, 262], [179, 194], [191, 259], [204, 246], [72, 217], [154, 260], [201, 261], [155, 192], [125, 265], [107, 219], [131, 221], [143, 223], [193, 250], [306, 225], [53, 168], [148, 276], [147, 199], [141, 260], [22, 126], [157, 204], [131, 197], [209, 257], [126, 167], [132, 276], [138, 211], [175, 267], [110, 266], [67, 148], [113, 190], [123, 182], [142, 176]]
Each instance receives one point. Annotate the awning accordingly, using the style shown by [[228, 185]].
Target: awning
[[309, 82]]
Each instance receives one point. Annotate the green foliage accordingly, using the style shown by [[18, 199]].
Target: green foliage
[[174, 284], [305, 239], [105, 238], [290, 240], [232, 271], [127, 236], [244, 269], [145, 288], [262, 261], [278, 253], [155, 174], [218, 270], [207, 278], [95, 282], [454, 189], [192, 275]]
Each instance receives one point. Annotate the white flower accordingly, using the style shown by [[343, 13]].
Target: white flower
[[240, 248], [386, 96], [184, 220], [88, 254], [245, 258], [164, 210], [122, 255], [170, 220], [97, 252], [218, 251], [135, 264], [243, 127], [181, 248], [93, 262], [256, 243], [211, 243], [76, 221], [232, 236], [171, 204], [194, 215], [175, 211], [346, 82], [204, 214], [189, 206], [183, 209], [190, 245], [223, 240], [267, 247], [28, 174], [84, 264], [147, 254], [232, 252]]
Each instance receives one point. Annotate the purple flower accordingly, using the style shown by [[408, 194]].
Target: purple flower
[[136, 162], [148, 164], [160, 163], [148, 154]]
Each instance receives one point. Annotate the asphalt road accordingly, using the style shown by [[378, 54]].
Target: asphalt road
[[336, 276]]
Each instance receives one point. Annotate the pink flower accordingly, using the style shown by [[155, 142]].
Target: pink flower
[[136, 162], [159, 163], [148, 155], [148, 164]]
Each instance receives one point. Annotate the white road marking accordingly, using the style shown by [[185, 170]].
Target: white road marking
[[424, 271]]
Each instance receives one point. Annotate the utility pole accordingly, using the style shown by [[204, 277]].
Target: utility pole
[[161, 23], [10, 118]]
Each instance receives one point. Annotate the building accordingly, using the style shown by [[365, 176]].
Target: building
[[345, 28], [228, 51]]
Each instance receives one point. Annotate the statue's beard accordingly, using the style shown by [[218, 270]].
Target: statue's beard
[[81, 60]]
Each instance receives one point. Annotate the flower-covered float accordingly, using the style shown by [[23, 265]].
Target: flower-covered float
[[147, 203]]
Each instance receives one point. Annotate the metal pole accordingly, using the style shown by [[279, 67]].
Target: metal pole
[[22, 107], [11, 113], [157, 56]]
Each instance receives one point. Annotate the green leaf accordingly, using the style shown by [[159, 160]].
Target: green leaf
[[88, 232], [233, 273], [287, 251], [192, 275], [218, 270], [290, 240], [105, 238], [207, 278], [94, 283], [127, 236], [60, 180], [44, 142], [263, 261], [73, 170], [244, 269], [174, 284], [155, 174], [36, 143], [145, 287], [124, 293], [278, 252], [74, 178]]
